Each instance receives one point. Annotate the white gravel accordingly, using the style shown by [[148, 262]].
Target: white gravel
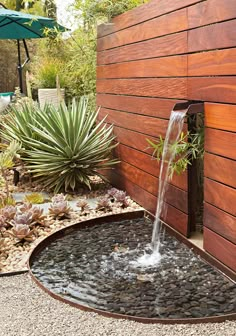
[[25, 310]]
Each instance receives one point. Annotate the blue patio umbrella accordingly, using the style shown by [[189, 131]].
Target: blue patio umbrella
[[21, 26]]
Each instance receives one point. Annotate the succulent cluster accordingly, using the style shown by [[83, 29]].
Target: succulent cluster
[[59, 208], [119, 197], [20, 222], [104, 204]]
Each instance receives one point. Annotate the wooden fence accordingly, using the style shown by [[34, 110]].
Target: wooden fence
[[150, 58]]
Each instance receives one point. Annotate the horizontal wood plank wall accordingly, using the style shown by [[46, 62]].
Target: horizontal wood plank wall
[[149, 59]]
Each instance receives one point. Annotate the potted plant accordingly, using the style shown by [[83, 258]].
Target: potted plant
[[48, 77]]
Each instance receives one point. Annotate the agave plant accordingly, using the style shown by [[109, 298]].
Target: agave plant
[[60, 210], [64, 146], [22, 232]]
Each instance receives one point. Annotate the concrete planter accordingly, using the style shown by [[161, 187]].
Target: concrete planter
[[50, 96]]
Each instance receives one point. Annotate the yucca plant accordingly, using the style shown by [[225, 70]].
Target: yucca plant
[[64, 146]]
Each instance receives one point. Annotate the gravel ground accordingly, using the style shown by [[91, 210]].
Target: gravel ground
[[25, 310]]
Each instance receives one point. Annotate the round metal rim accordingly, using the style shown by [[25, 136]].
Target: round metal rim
[[101, 220]]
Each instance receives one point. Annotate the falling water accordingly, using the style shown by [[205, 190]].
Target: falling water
[[173, 133]]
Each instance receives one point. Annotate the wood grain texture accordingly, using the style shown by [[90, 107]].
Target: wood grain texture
[[220, 169], [220, 142], [175, 66], [164, 25], [220, 222], [220, 116], [211, 11], [153, 107], [216, 89], [163, 46], [142, 13], [174, 217], [220, 35], [143, 124], [174, 196], [220, 248], [219, 195], [212, 63], [148, 164], [152, 87]]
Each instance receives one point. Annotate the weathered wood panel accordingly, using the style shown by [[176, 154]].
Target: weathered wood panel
[[147, 163], [216, 89], [145, 12], [174, 196], [211, 11], [220, 169], [174, 217], [175, 66], [220, 222], [163, 25], [154, 87], [163, 46], [216, 36], [153, 107], [220, 143], [212, 63], [220, 248], [220, 116], [220, 195]]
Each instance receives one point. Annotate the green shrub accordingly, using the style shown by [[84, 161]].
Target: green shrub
[[63, 147]]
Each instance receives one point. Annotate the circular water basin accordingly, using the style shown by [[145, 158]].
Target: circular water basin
[[97, 267]]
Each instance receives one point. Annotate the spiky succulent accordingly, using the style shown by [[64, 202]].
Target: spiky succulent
[[112, 192], [84, 206], [104, 204], [22, 232], [118, 196], [35, 198], [60, 210], [64, 146]]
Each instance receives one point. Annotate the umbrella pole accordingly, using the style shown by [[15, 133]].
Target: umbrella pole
[[19, 67]]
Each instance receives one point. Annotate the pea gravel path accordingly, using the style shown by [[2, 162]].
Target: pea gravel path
[[25, 310]]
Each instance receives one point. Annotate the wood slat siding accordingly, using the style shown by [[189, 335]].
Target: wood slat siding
[[220, 248], [148, 60], [147, 163], [164, 25], [220, 195], [163, 46], [220, 169], [220, 116], [154, 87], [152, 107], [175, 66], [143, 13], [216, 89], [211, 11], [212, 63], [216, 36], [220, 142], [220, 222]]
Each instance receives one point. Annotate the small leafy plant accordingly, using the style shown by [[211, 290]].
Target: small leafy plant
[[187, 148], [35, 198]]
